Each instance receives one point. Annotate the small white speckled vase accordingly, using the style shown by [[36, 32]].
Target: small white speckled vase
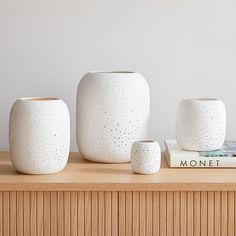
[[145, 157], [200, 124], [39, 135], [112, 112]]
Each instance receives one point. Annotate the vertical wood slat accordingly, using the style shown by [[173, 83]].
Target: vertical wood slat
[[33, 214], [19, 213], [170, 213], [197, 213], [101, 213], [26, 196], [122, 218], [149, 210], [176, 210], [156, 213], [217, 218], [54, 210], [224, 213], [142, 213], [81, 210], [203, 213], [88, 213], [231, 216], [210, 213], [190, 221], [40, 213], [12, 213], [73, 214], [128, 214], [46, 213], [183, 213], [60, 213], [94, 213], [6, 213], [162, 219], [67, 213], [135, 207], [108, 211], [114, 213]]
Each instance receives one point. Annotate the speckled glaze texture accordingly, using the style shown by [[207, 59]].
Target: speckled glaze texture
[[39, 135], [145, 157], [112, 112], [200, 124]]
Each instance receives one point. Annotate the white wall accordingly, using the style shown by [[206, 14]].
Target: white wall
[[183, 48]]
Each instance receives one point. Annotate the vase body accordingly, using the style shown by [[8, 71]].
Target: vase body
[[145, 157], [39, 135], [112, 113], [200, 124]]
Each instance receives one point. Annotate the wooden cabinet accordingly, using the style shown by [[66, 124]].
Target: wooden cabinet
[[108, 199]]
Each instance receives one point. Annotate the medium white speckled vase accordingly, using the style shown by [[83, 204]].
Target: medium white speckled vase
[[39, 135], [112, 112], [145, 157], [200, 124]]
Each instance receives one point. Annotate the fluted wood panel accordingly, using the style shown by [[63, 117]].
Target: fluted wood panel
[[118, 213]]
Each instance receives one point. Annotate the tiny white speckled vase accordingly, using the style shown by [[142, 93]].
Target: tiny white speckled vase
[[145, 157], [200, 124], [39, 135]]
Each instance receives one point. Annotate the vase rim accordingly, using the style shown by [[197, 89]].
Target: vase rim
[[113, 72], [39, 99], [146, 141], [201, 99]]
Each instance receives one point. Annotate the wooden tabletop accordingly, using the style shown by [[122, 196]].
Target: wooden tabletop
[[81, 175]]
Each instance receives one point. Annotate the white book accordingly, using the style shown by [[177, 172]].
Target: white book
[[222, 158]]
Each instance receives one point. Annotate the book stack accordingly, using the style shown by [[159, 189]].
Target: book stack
[[222, 158]]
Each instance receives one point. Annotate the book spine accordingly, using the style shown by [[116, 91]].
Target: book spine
[[203, 162]]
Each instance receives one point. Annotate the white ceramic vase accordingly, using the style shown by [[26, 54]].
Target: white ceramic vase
[[39, 135], [200, 124], [145, 157], [112, 112]]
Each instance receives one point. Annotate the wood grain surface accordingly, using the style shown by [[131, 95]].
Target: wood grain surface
[[81, 175], [104, 199], [117, 213]]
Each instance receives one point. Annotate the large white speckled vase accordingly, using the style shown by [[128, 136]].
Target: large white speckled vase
[[112, 113], [201, 124], [39, 135]]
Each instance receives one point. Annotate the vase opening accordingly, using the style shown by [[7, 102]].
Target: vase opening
[[146, 141], [113, 72], [40, 99], [202, 99]]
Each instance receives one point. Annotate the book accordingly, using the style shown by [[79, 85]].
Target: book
[[222, 158]]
